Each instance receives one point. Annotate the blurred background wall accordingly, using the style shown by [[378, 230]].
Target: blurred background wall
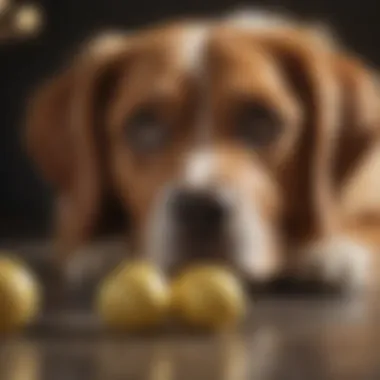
[[24, 199]]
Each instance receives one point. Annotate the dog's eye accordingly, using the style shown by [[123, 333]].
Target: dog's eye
[[146, 133], [257, 125]]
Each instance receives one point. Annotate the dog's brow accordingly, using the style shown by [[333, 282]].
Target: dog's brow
[[163, 88]]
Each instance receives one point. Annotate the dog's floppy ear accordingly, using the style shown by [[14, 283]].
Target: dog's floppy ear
[[360, 120], [60, 135], [304, 62], [341, 124], [357, 155]]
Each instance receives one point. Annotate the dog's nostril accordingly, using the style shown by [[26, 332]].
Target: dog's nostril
[[199, 213]]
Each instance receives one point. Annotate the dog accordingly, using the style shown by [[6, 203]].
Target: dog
[[250, 139]]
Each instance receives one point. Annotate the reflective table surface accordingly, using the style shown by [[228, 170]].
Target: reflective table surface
[[283, 338]]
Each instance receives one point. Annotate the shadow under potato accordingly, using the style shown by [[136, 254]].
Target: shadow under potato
[[290, 287]]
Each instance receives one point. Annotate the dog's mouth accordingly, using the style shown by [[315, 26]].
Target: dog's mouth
[[204, 247], [186, 248]]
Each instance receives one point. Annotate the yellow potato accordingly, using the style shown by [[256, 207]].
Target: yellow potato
[[20, 295], [134, 297], [208, 297]]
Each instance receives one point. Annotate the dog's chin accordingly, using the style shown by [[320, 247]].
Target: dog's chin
[[186, 254], [252, 270]]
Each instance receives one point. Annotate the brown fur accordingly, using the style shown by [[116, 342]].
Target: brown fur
[[327, 100]]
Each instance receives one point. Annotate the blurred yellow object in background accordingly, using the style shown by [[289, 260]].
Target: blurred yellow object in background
[[28, 19], [20, 295], [133, 298], [208, 297]]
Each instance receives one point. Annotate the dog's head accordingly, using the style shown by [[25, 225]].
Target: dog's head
[[213, 135]]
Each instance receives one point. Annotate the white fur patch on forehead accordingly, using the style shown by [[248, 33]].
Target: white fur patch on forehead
[[258, 19], [264, 20], [190, 48], [106, 44], [199, 167]]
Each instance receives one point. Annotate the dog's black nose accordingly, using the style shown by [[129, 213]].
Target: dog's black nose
[[199, 214]]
